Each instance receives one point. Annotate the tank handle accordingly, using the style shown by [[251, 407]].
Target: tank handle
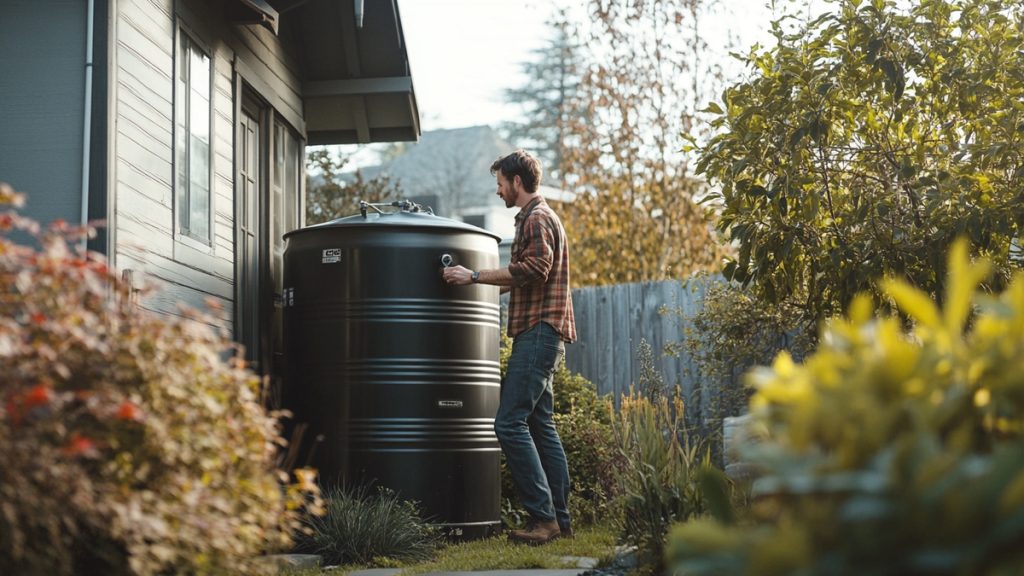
[[447, 260]]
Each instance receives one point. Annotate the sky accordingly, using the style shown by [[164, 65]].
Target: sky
[[465, 53]]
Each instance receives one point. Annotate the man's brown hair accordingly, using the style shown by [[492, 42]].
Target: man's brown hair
[[520, 163]]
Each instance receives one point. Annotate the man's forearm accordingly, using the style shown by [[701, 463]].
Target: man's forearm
[[462, 276], [498, 277]]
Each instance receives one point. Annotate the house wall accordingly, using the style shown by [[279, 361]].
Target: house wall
[[142, 151], [42, 90]]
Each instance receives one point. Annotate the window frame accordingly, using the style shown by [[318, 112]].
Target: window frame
[[193, 244]]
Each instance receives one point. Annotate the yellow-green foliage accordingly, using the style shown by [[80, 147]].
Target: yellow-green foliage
[[888, 452], [128, 445]]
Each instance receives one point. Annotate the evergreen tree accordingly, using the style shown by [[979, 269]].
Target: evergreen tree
[[548, 98]]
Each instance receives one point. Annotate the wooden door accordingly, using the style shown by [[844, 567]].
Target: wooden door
[[248, 231]]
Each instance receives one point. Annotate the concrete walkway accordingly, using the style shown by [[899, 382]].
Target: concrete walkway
[[583, 564], [534, 572]]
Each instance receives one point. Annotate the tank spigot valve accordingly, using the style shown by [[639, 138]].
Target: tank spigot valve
[[447, 260]]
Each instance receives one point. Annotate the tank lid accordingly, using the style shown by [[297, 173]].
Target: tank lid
[[403, 214]]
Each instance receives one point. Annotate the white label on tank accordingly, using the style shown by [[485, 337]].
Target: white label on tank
[[449, 403], [332, 256]]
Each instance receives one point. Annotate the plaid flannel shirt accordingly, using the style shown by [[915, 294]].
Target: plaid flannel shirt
[[540, 273]]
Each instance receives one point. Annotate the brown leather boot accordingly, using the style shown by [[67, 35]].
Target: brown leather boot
[[536, 533]]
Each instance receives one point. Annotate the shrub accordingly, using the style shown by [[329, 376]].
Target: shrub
[[362, 527], [128, 444], [583, 420], [589, 448], [734, 331], [888, 452], [660, 478]]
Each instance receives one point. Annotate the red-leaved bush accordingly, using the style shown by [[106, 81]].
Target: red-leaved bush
[[130, 443]]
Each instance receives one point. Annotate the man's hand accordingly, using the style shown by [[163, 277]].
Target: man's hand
[[458, 275]]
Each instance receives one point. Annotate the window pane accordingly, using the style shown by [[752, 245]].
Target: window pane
[[276, 189], [199, 97], [279, 135], [192, 142], [277, 210], [181, 133], [291, 184], [199, 188]]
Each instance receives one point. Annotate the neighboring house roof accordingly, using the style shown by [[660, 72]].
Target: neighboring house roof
[[556, 194], [358, 85], [453, 165]]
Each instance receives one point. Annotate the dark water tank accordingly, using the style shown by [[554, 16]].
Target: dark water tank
[[394, 371]]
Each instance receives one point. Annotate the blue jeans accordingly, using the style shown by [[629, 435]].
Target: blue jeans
[[526, 430]]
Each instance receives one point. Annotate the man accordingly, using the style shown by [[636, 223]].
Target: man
[[540, 321]]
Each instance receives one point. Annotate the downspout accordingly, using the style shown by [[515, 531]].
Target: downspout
[[87, 118], [358, 7]]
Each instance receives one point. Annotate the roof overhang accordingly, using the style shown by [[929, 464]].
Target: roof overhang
[[357, 85]]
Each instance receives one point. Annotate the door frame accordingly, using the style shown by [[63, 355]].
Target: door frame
[[251, 302], [257, 303]]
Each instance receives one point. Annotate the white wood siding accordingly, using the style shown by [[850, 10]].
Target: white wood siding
[[143, 114]]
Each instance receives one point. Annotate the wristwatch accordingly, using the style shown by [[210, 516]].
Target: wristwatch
[[475, 276]]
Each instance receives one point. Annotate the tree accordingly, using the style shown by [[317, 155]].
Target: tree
[[549, 98], [866, 142], [635, 217], [329, 196]]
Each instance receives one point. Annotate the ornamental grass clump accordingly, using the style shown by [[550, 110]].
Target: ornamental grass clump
[[888, 451], [128, 444], [363, 526], [661, 479]]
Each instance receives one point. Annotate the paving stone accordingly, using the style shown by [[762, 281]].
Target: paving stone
[[580, 561], [292, 560]]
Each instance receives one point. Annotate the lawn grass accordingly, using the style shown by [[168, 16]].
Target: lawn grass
[[498, 553]]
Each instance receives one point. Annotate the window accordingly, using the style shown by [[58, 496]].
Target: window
[[284, 193], [192, 112], [286, 202]]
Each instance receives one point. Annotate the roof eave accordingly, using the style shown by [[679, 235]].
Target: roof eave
[[360, 90]]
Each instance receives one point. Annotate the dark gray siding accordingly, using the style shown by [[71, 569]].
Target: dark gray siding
[[42, 98]]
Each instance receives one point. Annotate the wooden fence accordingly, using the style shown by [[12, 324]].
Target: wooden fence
[[611, 321]]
